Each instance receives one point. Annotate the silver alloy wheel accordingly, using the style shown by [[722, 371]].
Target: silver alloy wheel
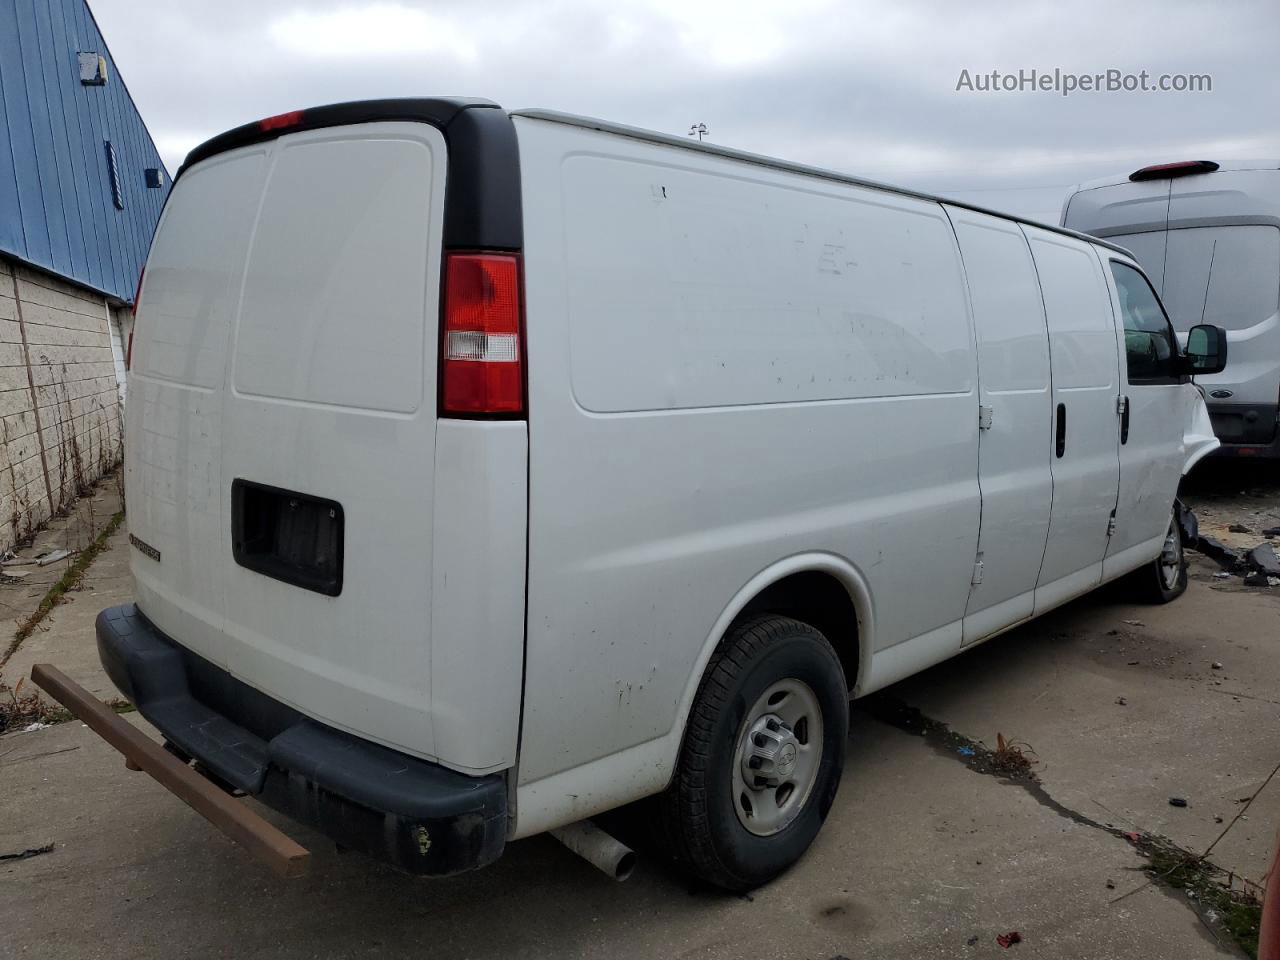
[[1171, 555], [778, 755]]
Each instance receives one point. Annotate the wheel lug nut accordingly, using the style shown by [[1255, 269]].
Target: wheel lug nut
[[754, 763]]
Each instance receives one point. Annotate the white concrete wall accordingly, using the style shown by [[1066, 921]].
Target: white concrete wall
[[57, 371]]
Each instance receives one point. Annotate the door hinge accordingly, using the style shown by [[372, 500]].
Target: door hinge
[[977, 571], [984, 418], [1111, 524], [1122, 404]]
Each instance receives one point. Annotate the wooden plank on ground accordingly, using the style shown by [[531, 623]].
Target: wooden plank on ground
[[279, 851]]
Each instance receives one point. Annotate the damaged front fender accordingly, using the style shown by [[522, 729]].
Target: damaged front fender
[[1198, 440]]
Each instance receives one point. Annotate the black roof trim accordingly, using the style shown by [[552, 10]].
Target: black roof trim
[[482, 198]]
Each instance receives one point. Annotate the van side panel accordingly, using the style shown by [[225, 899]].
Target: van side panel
[[1084, 355], [1013, 455], [728, 366]]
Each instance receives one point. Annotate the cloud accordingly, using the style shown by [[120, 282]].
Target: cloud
[[864, 87], [378, 30]]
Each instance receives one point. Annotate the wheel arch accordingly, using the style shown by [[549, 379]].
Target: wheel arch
[[785, 587]]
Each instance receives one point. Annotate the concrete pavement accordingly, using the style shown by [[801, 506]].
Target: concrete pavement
[[921, 857]]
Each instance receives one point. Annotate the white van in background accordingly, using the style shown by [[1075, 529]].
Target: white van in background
[[1208, 236], [487, 471]]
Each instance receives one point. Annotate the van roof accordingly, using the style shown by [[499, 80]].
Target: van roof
[[653, 136], [1224, 166], [442, 111]]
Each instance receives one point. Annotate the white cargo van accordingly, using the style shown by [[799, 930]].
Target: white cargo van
[[487, 471], [1208, 236]]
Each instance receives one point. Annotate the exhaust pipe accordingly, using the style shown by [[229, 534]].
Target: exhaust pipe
[[598, 848]]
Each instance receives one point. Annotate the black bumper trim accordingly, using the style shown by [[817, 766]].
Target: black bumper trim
[[1242, 426], [418, 816]]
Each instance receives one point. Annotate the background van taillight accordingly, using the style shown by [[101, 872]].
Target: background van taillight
[[481, 369]]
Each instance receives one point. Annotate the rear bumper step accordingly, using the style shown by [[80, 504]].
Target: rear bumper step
[[415, 815]]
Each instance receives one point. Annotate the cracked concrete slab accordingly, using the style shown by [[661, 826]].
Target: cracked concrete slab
[[66, 634], [920, 855]]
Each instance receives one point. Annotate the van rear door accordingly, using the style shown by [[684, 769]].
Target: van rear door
[[283, 424]]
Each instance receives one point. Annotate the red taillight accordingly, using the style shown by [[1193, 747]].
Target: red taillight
[[281, 120], [1167, 171], [137, 292], [481, 371]]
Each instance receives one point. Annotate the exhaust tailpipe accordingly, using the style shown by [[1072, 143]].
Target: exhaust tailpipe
[[598, 848]]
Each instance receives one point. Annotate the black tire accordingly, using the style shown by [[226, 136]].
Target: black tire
[[699, 825], [1156, 582]]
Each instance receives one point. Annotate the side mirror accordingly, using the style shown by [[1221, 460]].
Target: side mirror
[[1206, 349]]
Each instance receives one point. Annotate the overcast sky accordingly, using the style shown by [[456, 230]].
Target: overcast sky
[[868, 88]]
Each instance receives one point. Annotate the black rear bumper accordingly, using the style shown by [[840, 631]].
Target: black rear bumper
[[1246, 429], [415, 815]]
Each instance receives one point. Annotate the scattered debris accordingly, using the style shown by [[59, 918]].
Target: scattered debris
[[1190, 524], [1263, 559], [965, 751], [1121, 702], [28, 853], [1223, 906], [1177, 801], [1134, 663], [1007, 940], [1239, 528], [1256, 578], [1111, 884], [972, 941], [1271, 532], [1220, 553], [27, 711], [1009, 757], [1134, 623], [53, 556], [1216, 665], [1216, 818], [1222, 575]]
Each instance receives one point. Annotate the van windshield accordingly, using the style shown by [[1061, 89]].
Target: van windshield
[[1229, 276]]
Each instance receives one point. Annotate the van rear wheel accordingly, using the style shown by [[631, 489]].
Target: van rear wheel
[[762, 755], [1164, 578]]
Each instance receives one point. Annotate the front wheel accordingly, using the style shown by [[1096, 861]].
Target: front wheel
[[762, 755], [1165, 577]]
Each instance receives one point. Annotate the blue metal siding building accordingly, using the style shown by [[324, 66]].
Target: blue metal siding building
[[59, 139]]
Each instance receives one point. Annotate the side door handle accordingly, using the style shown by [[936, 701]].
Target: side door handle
[[1124, 420], [1061, 434]]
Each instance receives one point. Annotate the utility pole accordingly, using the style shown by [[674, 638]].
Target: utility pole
[[699, 130]]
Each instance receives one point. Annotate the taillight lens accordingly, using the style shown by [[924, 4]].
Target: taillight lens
[[1167, 171], [481, 370], [281, 121]]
